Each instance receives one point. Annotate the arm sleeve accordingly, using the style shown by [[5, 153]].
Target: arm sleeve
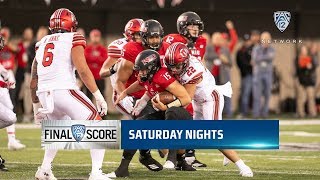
[[114, 51], [78, 40]]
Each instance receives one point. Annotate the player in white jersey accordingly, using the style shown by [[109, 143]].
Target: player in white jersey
[[55, 94], [110, 66], [207, 97]]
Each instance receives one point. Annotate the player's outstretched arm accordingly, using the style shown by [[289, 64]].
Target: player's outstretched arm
[[108, 67], [124, 72], [79, 61]]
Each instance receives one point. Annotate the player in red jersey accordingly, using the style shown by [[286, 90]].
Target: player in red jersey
[[110, 66], [190, 27], [151, 33], [156, 79]]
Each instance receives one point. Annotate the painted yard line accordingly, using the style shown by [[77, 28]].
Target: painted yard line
[[299, 133], [199, 169]]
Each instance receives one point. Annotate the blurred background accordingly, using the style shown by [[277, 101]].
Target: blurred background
[[293, 91]]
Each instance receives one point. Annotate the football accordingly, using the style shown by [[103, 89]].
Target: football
[[164, 97]]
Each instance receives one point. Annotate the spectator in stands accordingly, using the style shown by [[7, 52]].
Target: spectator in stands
[[27, 102], [243, 60], [22, 59], [262, 58], [306, 64], [210, 54], [96, 54]]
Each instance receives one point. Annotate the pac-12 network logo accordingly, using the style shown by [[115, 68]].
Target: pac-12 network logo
[[78, 131], [282, 19]]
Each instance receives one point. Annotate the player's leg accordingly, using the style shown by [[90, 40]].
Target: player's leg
[[145, 156], [75, 101], [13, 143], [217, 105], [190, 153], [178, 113], [7, 116], [45, 170]]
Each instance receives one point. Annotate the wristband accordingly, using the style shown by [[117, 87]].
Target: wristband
[[175, 103], [112, 71]]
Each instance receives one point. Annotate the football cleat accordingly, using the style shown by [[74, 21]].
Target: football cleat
[[169, 165], [150, 163], [15, 145], [2, 166], [44, 174], [246, 172], [120, 172], [99, 175], [194, 162], [184, 166]]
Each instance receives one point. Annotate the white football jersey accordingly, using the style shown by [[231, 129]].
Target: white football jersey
[[53, 55], [115, 51], [195, 71]]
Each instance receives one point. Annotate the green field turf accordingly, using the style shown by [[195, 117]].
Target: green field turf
[[277, 164]]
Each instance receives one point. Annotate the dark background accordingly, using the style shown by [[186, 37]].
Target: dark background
[[110, 16]]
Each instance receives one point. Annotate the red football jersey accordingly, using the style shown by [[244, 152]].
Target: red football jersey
[[160, 81], [130, 52], [95, 56], [199, 48], [22, 56], [7, 58]]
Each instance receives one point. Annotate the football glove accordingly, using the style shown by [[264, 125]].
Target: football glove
[[101, 103]]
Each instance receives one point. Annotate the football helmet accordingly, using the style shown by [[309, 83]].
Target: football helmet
[[151, 28], [132, 27], [63, 20], [186, 19], [177, 58], [148, 61]]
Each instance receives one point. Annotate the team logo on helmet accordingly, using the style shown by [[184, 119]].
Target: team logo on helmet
[[78, 131], [282, 19], [148, 59], [182, 18], [184, 52]]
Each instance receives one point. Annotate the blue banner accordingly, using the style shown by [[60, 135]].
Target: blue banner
[[200, 134]]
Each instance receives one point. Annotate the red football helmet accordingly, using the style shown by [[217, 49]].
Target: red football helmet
[[63, 20], [132, 27], [177, 58]]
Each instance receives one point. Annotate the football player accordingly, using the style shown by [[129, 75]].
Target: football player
[[7, 59], [156, 79], [7, 116], [110, 66], [189, 27], [208, 100], [55, 94], [151, 33]]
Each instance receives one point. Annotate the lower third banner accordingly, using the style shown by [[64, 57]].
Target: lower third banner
[[200, 134]]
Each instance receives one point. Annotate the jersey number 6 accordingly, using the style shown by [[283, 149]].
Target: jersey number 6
[[48, 55]]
